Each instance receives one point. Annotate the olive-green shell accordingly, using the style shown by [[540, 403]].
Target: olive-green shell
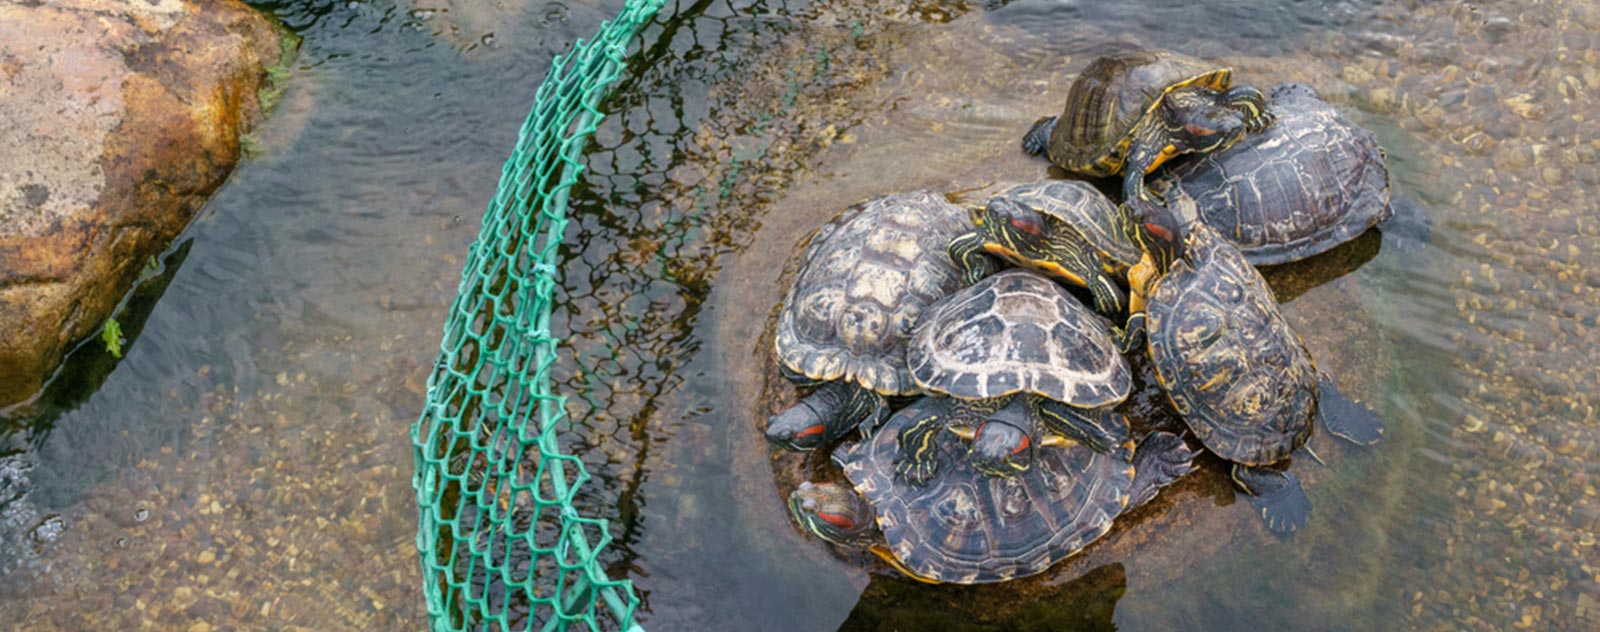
[[1085, 208], [866, 278], [966, 527], [1310, 182], [1109, 99], [1016, 332], [1241, 378]]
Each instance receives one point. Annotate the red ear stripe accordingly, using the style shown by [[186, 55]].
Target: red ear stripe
[[1026, 227], [817, 429], [1198, 130], [1023, 445], [1158, 231], [838, 520]]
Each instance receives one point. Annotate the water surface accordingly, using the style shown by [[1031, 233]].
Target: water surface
[[247, 463]]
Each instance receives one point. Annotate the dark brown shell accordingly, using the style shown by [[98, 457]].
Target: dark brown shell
[[868, 275], [966, 527], [1109, 98], [1311, 181], [1241, 378]]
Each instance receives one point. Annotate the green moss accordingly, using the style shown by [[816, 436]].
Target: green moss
[[249, 147], [271, 91], [111, 334]]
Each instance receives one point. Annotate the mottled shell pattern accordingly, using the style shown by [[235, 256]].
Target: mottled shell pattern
[[1310, 182], [967, 527], [1241, 378], [867, 277], [1093, 133], [1013, 332], [1081, 205]]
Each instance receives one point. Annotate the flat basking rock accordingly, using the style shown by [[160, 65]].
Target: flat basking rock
[[117, 121]]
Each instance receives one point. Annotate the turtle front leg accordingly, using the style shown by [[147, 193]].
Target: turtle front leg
[[918, 447], [1148, 150], [1100, 430], [966, 251], [1277, 495], [1085, 267], [1252, 105], [1130, 337]]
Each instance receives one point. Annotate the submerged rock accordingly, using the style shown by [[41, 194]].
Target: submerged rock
[[118, 120]]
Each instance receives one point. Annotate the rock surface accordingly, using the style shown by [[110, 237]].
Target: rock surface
[[118, 119]]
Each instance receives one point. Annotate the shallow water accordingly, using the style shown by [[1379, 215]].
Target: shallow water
[[247, 463]]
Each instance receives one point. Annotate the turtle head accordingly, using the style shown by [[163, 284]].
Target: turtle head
[[1028, 236], [1199, 121], [1000, 449], [1019, 230], [1158, 230], [832, 512]]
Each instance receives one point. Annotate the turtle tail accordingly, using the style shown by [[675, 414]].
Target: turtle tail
[[1038, 138]]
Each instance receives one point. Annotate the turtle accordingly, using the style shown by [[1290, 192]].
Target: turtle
[[966, 527], [1065, 228], [866, 277], [1229, 363], [1014, 347], [1129, 112], [1313, 181]]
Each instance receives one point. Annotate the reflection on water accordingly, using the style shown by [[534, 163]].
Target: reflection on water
[[247, 465]]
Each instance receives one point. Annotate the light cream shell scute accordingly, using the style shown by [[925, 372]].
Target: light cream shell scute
[[867, 276]]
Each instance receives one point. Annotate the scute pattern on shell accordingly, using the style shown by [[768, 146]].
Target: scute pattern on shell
[[1080, 204], [1015, 332], [1311, 181], [967, 527], [1112, 94], [868, 275], [1234, 369]]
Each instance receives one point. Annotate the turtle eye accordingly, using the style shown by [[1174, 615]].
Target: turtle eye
[[1198, 130], [808, 504], [1159, 231], [838, 520]]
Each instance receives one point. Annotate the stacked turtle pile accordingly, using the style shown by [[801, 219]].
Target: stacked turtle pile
[[986, 394]]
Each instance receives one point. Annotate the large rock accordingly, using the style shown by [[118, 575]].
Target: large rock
[[117, 121]]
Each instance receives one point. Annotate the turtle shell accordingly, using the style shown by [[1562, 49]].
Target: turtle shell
[[1241, 378], [1310, 182], [867, 276], [966, 527], [1013, 332], [1110, 97], [1084, 207]]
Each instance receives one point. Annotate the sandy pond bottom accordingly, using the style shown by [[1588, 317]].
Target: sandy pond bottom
[[247, 464]]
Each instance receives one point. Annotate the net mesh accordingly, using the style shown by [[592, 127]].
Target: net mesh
[[500, 543]]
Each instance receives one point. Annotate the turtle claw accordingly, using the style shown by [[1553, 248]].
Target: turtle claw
[[1277, 496]]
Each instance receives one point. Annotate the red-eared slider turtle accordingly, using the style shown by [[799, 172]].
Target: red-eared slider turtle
[[1228, 361], [1064, 228], [1015, 347], [966, 527], [1313, 181], [866, 278], [1128, 113]]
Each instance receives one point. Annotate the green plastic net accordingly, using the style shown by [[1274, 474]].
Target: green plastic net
[[500, 543]]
